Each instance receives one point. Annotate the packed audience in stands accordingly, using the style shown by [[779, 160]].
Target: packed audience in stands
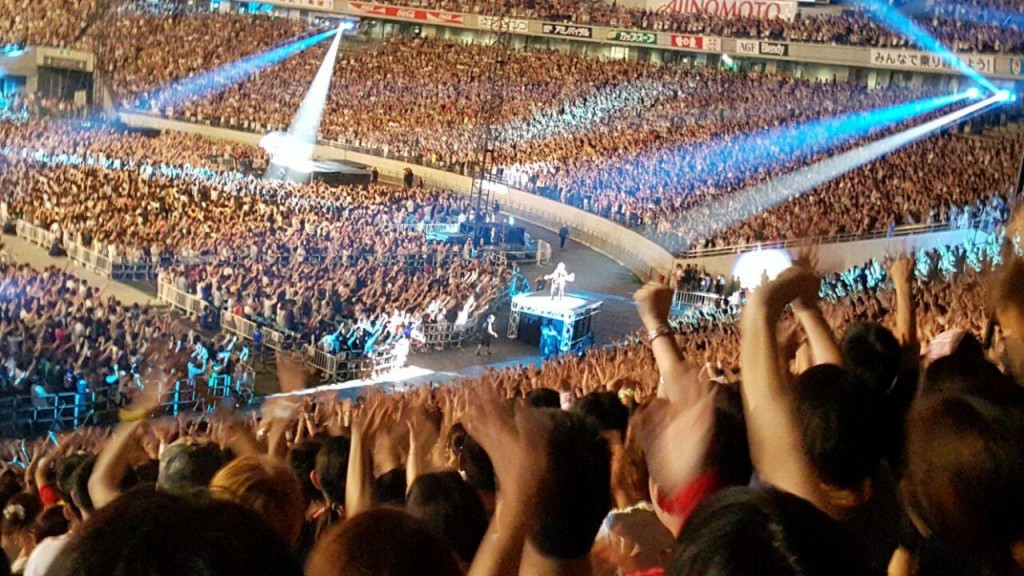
[[658, 148], [882, 424], [607, 136], [856, 423], [976, 26], [297, 258]]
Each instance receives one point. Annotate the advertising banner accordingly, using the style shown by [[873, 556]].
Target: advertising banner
[[567, 30], [432, 16], [929, 62], [748, 47], [700, 43], [497, 24], [773, 49], [762, 9], [633, 36], [314, 4]]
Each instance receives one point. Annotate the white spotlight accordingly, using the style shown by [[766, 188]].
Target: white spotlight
[[973, 92], [752, 267], [1004, 96]]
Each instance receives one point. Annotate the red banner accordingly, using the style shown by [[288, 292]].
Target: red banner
[[692, 42], [408, 13]]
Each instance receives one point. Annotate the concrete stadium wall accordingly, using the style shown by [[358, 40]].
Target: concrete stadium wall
[[641, 256], [841, 256]]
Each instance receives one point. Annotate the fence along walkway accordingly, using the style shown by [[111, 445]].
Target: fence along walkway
[[31, 413], [332, 366], [89, 259]]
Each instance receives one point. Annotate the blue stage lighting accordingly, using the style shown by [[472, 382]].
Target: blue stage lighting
[[730, 160], [347, 25], [213, 81], [1004, 96], [892, 18], [973, 93], [745, 204]]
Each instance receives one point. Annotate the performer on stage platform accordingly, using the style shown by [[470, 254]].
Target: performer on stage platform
[[558, 279]]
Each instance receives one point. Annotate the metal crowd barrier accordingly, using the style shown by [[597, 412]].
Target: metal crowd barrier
[[273, 339], [445, 334], [351, 365], [695, 300], [181, 300], [34, 234], [28, 414], [202, 394], [89, 259]]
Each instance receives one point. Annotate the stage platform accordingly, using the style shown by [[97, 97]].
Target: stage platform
[[570, 317], [331, 172]]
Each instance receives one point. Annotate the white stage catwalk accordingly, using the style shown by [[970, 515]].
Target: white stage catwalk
[[571, 313]]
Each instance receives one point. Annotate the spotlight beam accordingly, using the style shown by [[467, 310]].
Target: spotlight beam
[[730, 160], [747, 203], [217, 79], [305, 126], [890, 17]]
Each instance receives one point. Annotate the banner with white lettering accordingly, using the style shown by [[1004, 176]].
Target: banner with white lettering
[[497, 24], [315, 4], [699, 43], [567, 30], [773, 49], [633, 36], [761, 9], [433, 16], [755, 48], [928, 61]]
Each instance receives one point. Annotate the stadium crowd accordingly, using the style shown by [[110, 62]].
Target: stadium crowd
[[296, 257], [605, 137], [860, 423], [882, 435], [651, 147], [979, 26]]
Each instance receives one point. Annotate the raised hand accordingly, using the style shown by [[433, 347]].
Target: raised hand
[[653, 304], [675, 438], [514, 439]]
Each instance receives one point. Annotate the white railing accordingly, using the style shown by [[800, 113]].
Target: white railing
[[908, 230], [443, 334], [35, 234], [90, 259], [245, 328], [694, 300], [183, 301], [322, 361], [355, 364]]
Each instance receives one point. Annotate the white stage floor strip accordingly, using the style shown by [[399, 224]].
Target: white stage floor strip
[[395, 376]]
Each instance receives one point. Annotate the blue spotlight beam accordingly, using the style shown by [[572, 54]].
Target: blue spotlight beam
[[729, 161], [890, 17], [747, 203], [217, 79]]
